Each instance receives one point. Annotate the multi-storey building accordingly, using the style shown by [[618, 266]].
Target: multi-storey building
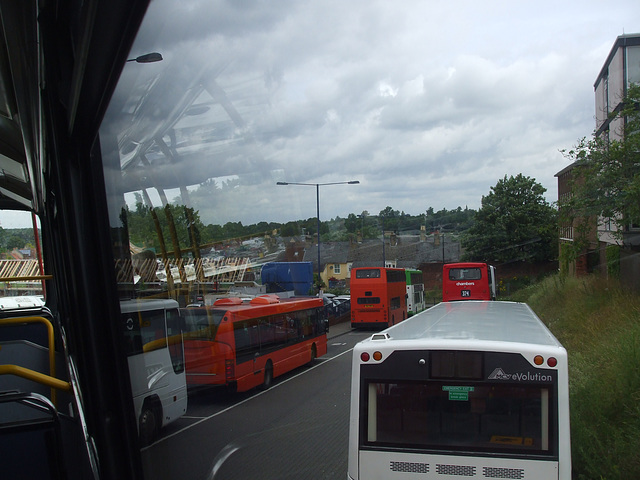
[[620, 69]]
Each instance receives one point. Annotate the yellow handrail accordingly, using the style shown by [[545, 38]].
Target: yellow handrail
[[52, 382], [29, 278], [50, 338]]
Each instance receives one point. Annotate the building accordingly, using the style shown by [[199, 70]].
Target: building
[[620, 69], [397, 251]]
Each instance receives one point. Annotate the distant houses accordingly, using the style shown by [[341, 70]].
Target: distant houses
[[426, 253]]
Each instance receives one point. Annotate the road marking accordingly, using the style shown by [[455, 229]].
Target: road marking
[[225, 410]]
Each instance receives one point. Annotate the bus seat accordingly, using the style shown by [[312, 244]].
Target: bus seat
[[30, 439], [25, 345], [24, 342]]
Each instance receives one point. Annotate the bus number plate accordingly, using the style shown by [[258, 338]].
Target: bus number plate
[[465, 293]]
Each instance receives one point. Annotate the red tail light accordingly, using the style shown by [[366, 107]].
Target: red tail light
[[229, 369]]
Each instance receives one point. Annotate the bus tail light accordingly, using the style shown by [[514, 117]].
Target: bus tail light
[[551, 361], [365, 357], [229, 369]]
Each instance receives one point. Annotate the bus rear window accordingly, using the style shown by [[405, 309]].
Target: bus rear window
[[470, 417], [201, 323], [465, 274], [368, 300], [368, 273], [396, 276]]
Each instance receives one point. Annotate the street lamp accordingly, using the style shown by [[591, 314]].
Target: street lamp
[[147, 58], [318, 185]]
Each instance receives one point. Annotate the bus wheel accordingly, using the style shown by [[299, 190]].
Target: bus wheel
[[148, 426], [314, 354], [268, 375]]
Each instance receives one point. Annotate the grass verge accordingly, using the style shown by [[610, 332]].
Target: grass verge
[[599, 325]]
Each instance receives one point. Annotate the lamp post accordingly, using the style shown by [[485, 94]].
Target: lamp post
[[318, 185], [147, 58]]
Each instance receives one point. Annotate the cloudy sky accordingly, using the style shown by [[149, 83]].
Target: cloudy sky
[[427, 103]]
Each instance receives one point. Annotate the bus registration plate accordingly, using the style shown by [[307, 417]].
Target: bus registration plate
[[465, 293]]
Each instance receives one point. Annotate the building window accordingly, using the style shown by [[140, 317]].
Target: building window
[[336, 268], [633, 65]]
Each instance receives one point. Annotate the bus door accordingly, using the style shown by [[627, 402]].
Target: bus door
[[173, 409], [246, 363]]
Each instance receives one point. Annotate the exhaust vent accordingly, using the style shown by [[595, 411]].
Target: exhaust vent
[[409, 467], [461, 470], [511, 473]]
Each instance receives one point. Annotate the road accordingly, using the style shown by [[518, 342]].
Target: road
[[296, 429]]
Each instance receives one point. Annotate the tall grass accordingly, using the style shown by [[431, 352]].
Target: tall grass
[[599, 325]]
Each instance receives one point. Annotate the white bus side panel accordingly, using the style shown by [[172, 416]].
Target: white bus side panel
[[374, 465], [152, 374]]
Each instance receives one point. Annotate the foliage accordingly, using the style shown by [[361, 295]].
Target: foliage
[[11, 238], [508, 285], [613, 261], [515, 223], [606, 174], [598, 322], [371, 226], [565, 258]]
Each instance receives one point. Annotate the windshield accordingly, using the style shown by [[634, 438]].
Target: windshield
[[22, 268], [341, 134]]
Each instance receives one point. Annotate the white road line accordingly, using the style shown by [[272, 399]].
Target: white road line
[[203, 419]]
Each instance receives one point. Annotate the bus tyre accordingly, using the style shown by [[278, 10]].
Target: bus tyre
[[148, 426], [268, 375]]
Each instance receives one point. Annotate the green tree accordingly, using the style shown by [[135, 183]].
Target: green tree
[[290, 229], [514, 223], [352, 223], [15, 241], [390, 219], [606, 176]]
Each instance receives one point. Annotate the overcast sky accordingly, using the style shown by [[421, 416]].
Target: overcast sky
[[426, 103], [429, 103]]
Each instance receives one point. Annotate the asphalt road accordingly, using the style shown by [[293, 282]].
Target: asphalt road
[[296, 429]]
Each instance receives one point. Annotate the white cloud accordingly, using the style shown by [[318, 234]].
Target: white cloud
[[426, 103]]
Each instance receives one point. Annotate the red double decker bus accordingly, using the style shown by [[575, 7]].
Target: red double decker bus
[[468, 281], [378, 297], [245, 344]]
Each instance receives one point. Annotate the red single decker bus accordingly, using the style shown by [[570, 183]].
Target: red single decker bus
[[378, 297], [468, 281], [245, 344]]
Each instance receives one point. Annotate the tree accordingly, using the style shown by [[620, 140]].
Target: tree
[[390, 219], [606, 176], [352, 223], [515, 223]]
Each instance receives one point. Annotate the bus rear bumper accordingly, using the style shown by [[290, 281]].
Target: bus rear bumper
[[369, 325], [392, 465]]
